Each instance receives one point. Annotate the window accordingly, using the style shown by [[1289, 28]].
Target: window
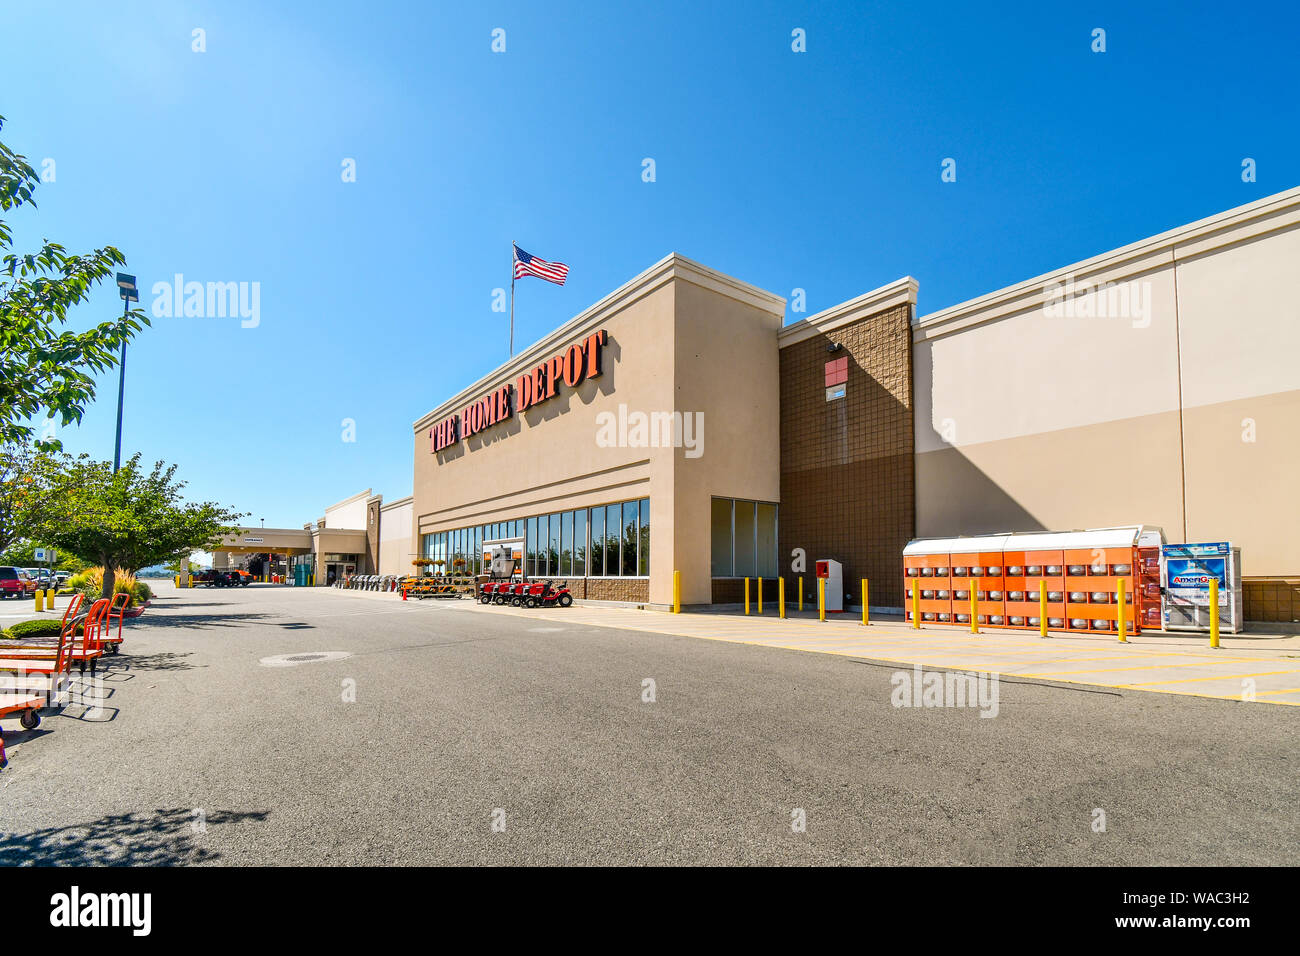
[[720, 532], [629, 538], [597, 542], [613, 534], [530, 552], [553, 547], [566, 544], [643, 538], [743, 538], [580, 542], [745, 548], [766, 540]]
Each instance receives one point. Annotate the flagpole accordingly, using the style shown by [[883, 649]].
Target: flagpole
[[512, 298]]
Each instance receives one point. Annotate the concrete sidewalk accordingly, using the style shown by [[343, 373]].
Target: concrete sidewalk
[[1263, 668]]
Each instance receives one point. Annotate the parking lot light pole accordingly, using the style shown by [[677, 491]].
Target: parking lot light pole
[[126, 288]]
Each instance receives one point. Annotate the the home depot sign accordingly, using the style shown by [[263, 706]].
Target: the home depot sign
[[571, 367]]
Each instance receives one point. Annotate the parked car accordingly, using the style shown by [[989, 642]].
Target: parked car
[[43, 578], [209, 578], [15, 583], [242, 577], [61, 577]]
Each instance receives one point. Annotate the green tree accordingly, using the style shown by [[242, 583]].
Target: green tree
[[130, 519], [43, 368], [26, 476]]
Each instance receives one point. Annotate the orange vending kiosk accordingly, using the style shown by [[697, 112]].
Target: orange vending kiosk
[[1080, 571]]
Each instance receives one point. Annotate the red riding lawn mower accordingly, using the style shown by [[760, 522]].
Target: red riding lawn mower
[[526, 593], [546, 594], [493, 592]]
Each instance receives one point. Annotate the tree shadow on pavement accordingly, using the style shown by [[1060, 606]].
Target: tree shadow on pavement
[[172, 837], [198, 620], [161, 661]]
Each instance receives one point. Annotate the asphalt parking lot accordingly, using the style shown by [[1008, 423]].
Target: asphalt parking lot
[[440, 733]]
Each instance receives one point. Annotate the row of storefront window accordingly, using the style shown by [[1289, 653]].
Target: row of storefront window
[[604, 541]]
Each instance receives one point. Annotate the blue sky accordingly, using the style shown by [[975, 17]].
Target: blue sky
[[816, 170]]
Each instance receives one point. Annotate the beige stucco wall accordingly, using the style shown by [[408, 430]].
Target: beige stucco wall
[[349, 513], [1028, 420], [726, 366], [395, 548], [680, 337], [1239, 311]]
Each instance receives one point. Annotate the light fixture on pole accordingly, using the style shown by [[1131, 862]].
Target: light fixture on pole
[[126, 288]]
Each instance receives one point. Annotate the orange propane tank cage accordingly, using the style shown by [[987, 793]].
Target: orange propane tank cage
[[1081, 570]]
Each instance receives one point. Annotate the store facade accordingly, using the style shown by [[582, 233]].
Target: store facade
[[600, 447], [679, 424]]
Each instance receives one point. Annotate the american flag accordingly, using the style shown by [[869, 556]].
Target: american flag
[[526, 265]]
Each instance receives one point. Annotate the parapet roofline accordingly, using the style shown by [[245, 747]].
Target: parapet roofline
[[243, 530], [347, 501], [899, 292], [1272, 213], [671, 266]]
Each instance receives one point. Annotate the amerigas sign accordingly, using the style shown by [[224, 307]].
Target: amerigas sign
[[571, 368]]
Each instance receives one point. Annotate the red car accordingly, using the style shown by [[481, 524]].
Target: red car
[[15, 582]]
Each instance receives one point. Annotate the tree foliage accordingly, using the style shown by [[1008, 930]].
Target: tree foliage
[[26, 477], [43, 367], [131, 519]]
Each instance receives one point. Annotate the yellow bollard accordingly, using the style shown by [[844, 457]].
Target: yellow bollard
[[916, 607], [746, 595], [49, 599], [760, 595], [40, 599], [677, 592], [799, 588], [821, 599], [780, 595], [974, 612], [1122, 624], [864, 603], [1042, 608], [1214, 612]]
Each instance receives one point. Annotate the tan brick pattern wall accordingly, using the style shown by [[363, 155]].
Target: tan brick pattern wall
[[848, 466], [729, 590], [613, 589], [1271, 600]]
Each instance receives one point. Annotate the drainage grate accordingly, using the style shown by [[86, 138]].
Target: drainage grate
[[293, 660]]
